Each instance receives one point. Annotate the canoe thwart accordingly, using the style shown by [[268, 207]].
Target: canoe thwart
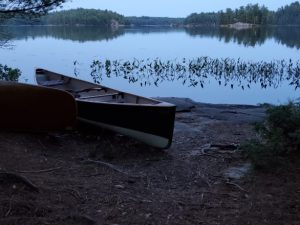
[[50, 83], [104, 95], [86, 90]]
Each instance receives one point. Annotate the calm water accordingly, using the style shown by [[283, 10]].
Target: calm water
[[57, 48]]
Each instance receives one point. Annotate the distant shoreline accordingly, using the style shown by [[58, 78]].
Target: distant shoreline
[[244, 26]]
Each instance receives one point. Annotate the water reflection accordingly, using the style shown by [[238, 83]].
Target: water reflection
[[196, 72], [80, 33], [289, 36], [5, 38]]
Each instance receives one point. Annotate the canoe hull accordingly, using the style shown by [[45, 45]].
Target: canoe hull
[[26, 107], [151, 124]]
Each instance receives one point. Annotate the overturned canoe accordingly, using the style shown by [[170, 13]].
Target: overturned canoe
[[148, 120], [26, 107]]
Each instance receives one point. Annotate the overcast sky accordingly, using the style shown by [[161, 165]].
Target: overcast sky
[[170, 8]]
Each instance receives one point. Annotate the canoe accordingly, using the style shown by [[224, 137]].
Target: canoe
[[145, 119], [27, 107]]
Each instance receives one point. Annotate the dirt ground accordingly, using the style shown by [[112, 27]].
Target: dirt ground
[[88, 177]]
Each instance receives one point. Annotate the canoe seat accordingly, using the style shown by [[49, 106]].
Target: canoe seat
[[86, 90], [113, 95], [49, 83]]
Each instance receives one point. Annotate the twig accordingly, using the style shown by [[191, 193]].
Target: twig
[[39, 171], [22, 179], [111, 166], [10, 207], [83, 219], [225, 146], [207, 154], [236, 185], [44, 147], [202, 197], [73, 192], [93, 175]]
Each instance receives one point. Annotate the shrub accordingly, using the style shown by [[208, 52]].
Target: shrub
[[279, 136], [9, 74]]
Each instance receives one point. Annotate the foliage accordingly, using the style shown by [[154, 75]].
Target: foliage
[[11, 8], [288, 15], [9, 74], [83, 17], [153, 21], [95, 18], [203, 19], [251, 14], [279, 136]]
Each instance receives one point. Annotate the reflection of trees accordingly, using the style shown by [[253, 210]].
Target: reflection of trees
[[80, 33], [290, 36], [199, 71], [152, 29], [5, 38], [246, 37]]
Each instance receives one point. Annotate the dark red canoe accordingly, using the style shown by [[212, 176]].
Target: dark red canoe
[[30, 107]]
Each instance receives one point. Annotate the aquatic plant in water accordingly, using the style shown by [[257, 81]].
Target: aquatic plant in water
[[194, 72]]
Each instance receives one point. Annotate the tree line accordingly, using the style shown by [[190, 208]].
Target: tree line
[[153, 21], [83, 17], [250, 14], [73, 17], [93, 17]]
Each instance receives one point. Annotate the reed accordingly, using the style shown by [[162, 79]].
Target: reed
[[195, 72]]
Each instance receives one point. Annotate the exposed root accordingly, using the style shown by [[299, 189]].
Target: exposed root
[[18, 178]]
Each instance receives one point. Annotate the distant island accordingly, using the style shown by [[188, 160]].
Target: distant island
[[247, 16], [241, 18]]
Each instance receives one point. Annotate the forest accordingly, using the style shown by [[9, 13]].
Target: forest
[[251, 14], [73, 17], [83, 17], [93, 17], [153, 21]]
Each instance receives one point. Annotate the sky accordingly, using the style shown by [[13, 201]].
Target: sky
[[169, 8]]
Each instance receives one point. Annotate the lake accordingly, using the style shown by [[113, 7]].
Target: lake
[[72, 50]]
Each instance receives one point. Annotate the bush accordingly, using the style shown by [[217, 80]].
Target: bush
[[279, 136], [9, 74]]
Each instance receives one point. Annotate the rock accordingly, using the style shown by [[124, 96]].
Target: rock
[[237, 172], [119, 186], [182, 104]]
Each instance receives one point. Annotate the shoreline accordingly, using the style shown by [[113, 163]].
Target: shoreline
[[98, 177]]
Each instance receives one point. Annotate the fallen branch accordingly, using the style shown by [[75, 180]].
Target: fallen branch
[[111, 166], [207, 154], [39, 171], [236, 185], [225, 146], [82, 219], [20, 178], [73, 192], [10, 207]]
